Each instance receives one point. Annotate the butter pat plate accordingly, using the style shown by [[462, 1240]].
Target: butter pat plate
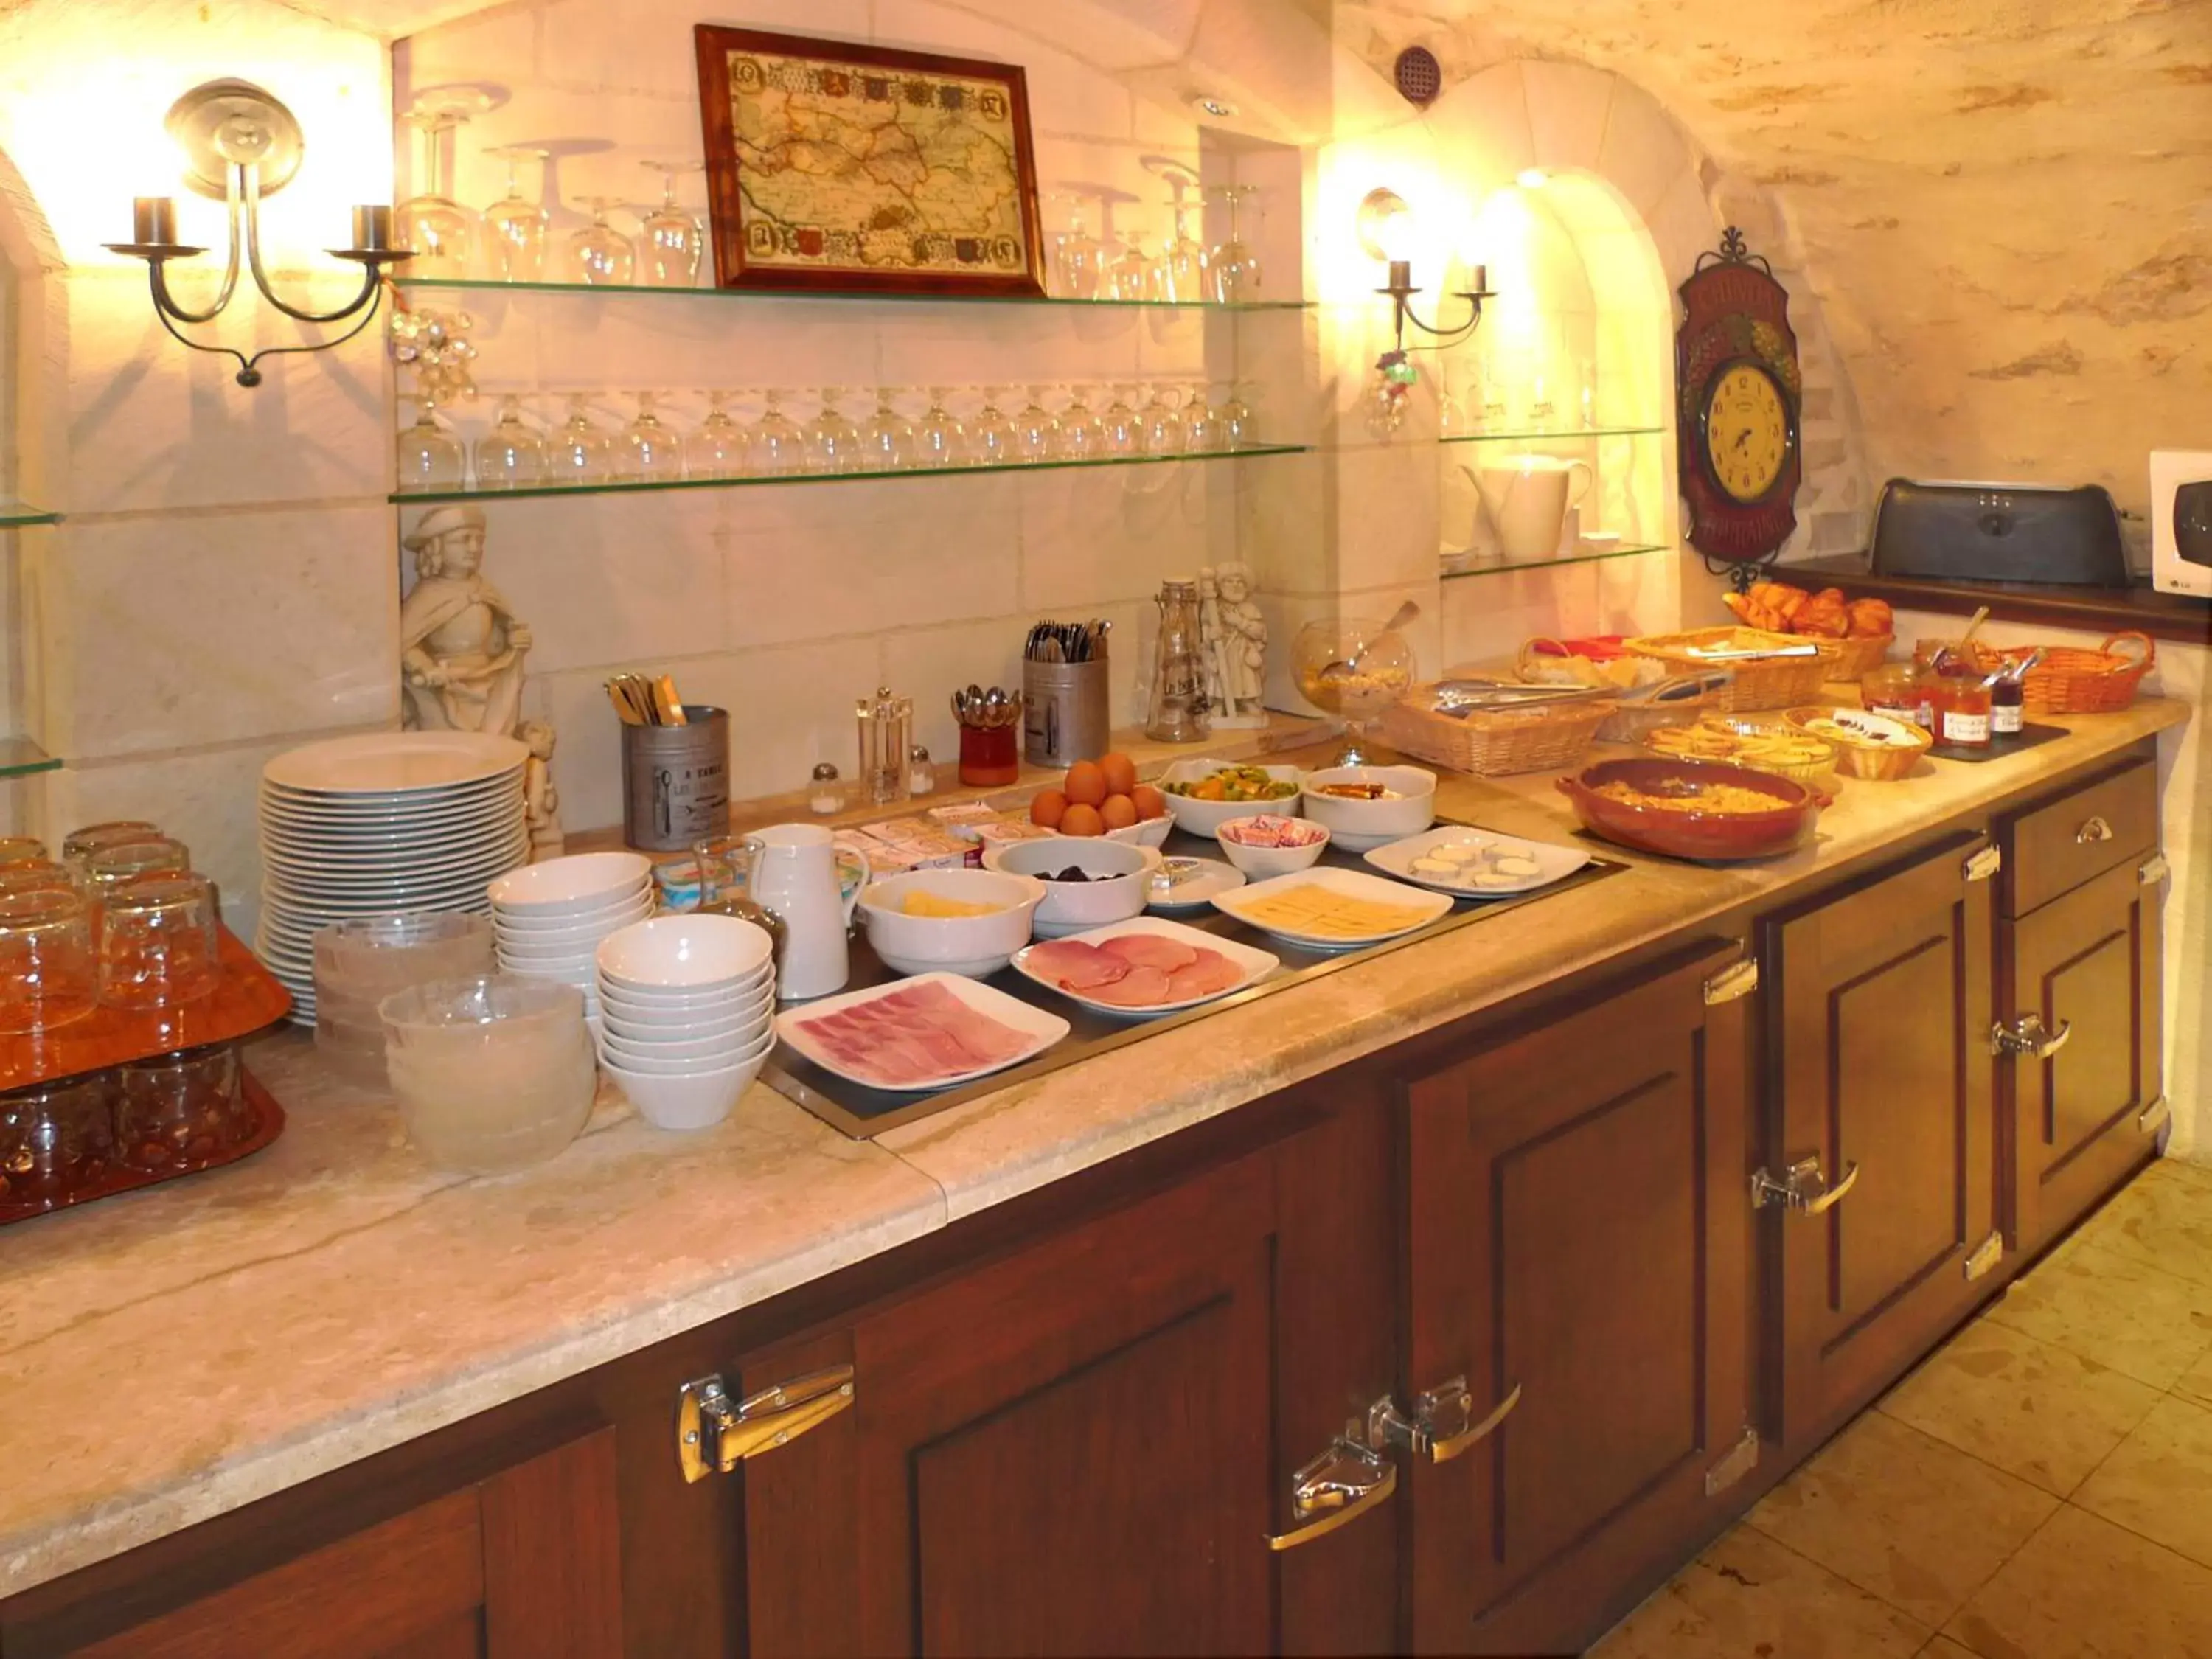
[[1298, 907], [1472, 863], [1235, 966]]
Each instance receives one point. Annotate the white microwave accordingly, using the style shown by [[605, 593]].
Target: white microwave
[[2181, 521]]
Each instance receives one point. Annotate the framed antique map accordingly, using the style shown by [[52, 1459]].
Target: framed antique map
[[836, 168]]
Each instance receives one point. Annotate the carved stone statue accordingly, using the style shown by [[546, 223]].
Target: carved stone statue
[[1238, 646], [461, 647], [541, 801]]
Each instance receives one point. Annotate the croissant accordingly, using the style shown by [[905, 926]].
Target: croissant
[[1781, 598], [1825, 615], [1871, 619]]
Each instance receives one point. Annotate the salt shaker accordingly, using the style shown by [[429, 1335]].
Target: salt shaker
[[921, 775], [825, 796]]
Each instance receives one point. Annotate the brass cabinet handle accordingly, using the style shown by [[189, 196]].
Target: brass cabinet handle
[[2096, 829], [1803, 1187], [1441, 1426], [1337, 1487], [2029, 1037], [714, 1434]]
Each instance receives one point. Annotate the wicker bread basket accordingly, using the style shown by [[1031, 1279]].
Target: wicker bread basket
[[1848, 660], [1761, 681], [1494, 742], [1863, 756]]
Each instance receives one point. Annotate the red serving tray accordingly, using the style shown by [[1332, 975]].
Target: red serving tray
[[248, 998], [269, 1123]]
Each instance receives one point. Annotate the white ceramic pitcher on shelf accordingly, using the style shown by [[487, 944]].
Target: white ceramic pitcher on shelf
[[1526, 498], [794, 875]]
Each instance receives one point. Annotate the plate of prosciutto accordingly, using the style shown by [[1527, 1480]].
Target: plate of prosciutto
[[928, 1032], [1143, 966]]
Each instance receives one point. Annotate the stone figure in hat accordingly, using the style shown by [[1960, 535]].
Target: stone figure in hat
[[461, 646]]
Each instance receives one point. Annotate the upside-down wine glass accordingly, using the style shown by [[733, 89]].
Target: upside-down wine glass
[[1121, 428], [938, 438], [669, 240], [1183, 259], [430, 458], [887, 436], [1036, 432], [993, 440], [599, 253], [1131, 276], [442, 232], [1235, 416], [1201, 423], [580, 452], [1081, 437], [717, 446], [1078, 256], [650, 451], [1233, 268], [1162, 423], [779, 447], [833, 443], [510, 456], [516, 227]]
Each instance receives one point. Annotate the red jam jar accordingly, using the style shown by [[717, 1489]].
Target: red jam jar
[[990, 755], [1962, 710]]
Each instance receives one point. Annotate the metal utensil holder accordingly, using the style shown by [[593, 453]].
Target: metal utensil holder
[[676, 781], [1067, 711]]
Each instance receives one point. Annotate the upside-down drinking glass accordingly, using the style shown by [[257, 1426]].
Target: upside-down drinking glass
[[670, 239], [833, 443], [599, 253], [430, 458], [938, 439], [1081, 437], [992, 439], [1233, 268], [510, 456], [580, 452], [1121, 429], [887, 437], [1162, 423], [515, 227], [1037, 431], [717, 446], [779, 447], [649, 451]]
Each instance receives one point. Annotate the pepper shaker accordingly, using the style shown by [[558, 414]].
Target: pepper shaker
[[886, 733]]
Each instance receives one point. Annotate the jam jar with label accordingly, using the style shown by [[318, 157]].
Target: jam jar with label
[[1962, 710]]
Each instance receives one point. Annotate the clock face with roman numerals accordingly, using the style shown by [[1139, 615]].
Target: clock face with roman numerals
[[1745, 434]]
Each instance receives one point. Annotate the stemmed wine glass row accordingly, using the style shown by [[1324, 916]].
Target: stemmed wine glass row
[[849, 433]]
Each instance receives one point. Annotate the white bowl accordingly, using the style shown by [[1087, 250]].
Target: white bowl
[[1119, 872], [510, 924], [687, 1059], [1149, 833], [1261, 862], [973, 945], [1204, 817], [1358, 825], [697, 1102], [636, 1025], [584, 948], [685, 954], [683, 1011], [581, 883]]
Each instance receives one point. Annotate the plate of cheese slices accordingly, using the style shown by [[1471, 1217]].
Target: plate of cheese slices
[[1326, 909], [1471, 863]]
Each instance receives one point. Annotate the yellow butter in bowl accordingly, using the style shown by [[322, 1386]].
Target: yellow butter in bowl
[[921, 902]]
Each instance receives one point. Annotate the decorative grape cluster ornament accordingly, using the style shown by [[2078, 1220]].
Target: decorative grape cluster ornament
[[435, 345], [1392, 383]]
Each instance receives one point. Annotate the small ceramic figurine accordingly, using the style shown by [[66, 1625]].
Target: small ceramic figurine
[[461, 647], [541, 801], [1237, 649]]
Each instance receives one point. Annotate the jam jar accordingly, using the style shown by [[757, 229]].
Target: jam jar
[[1962, 710], [56, 1140]]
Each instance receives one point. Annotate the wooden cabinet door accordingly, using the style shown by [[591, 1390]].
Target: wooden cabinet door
[[1578, 1225], [525, 1564], [1881, 1012], [2086, 968], [1066, 1450]]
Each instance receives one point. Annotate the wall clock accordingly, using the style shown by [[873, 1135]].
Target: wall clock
[[1738, 389]]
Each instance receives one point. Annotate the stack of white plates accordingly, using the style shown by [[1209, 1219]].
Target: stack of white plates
[[687, 1015], [548, 918], [388, 821]]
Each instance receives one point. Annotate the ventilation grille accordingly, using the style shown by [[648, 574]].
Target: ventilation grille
[[1420, 76]]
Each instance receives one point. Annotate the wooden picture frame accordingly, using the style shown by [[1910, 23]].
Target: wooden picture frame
[[815, 205]]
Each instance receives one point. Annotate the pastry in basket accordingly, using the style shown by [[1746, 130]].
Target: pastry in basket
[[1782, 609], [1760, 746]]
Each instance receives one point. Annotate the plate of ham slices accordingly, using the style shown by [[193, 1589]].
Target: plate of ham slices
[[928, 1032], [1143, 966]]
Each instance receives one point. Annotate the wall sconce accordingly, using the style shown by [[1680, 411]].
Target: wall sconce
[[1385, 230], [240, 145]]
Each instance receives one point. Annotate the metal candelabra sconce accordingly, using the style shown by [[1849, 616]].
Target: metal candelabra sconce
[[242, 145], [1383, 220]]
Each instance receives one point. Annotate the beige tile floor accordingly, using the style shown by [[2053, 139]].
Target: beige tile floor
[[2039, 1488]]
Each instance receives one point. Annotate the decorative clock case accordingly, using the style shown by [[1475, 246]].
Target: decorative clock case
[[1739, 391]]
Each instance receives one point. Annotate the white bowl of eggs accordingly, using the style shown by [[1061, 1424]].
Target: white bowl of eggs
[[952, 922]]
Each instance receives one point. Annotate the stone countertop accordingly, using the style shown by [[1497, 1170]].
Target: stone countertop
[[333, 1296]]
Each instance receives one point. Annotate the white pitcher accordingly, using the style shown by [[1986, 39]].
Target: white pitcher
[[794, 875], [1526, 498]]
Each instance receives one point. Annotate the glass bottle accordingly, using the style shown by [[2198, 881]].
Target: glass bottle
[[510, 456], [650, 452], [516, 228]]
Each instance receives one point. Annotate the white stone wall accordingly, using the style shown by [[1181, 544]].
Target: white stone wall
[[222, 587]]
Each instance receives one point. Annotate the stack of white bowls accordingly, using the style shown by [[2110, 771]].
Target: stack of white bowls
[[548, 918], [687, 1010], [387, 821]]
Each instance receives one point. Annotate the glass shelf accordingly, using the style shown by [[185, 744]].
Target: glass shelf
[[484, 285], [1555, 436], [20, 758], [13, 513], [627, 486], [1492, 569]]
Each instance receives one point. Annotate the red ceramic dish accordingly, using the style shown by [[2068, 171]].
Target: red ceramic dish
[[1710, 836]]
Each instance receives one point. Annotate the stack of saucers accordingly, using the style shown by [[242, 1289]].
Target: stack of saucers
[[688, 1011], [387, 821], [548, 918]]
